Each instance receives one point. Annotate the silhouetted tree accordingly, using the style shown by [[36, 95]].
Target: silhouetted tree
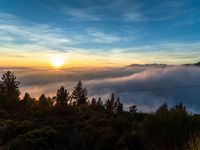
[[28, 103], [110, 104], [100, 104], [62, 97], [2, 99], [9, 92], [179, 109], [27, 100], [163, 108], [45, 102], [113, 105], [118, 106], [166, 129], [79, 94], [93, 102], [133, 109]]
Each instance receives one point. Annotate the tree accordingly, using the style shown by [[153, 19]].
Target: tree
[[2, 100], [9, 92], [163, 108], [110, 103], [100, 104], [113, 105], [133, 109], [93, 102], [166, 129], [179, 109], [62, 97], [27, 98], [45, 102], [79, 94], [118, 106], [28, 101]]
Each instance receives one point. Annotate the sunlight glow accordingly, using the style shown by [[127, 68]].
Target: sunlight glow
[[57, 62]]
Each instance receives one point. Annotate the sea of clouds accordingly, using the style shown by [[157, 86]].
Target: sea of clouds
[[129, 83]]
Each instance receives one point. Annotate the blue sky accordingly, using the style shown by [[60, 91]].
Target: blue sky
[[112, 32]]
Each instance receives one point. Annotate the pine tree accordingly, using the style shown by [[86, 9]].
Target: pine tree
[[2, 100], [79, 94], [118, 106], [110, 103], [9, 92], [27, 100], [62, 97], [93, 102], [45, 102], [100, 104], [133, 109]]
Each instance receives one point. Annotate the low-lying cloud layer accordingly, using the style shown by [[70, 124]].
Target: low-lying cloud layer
[[129, 83]]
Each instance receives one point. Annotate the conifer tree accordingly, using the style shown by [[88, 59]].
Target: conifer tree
[[45, 102], [27, 100], [118, 106], [100, 104], [62, 97], [79, 94], [133, 109], [110, 103], [93, 102], [9, 90]]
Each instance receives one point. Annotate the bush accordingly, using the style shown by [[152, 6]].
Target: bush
[[3, 113], [10, 129], [38, 139], [194, 142]]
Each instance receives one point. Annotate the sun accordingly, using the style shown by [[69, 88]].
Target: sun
[[57, 62]]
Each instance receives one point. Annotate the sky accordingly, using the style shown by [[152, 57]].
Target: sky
[[49, 43], [100, 33]]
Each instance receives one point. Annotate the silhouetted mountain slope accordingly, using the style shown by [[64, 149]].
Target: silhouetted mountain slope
[[148, 65], [195, 64]]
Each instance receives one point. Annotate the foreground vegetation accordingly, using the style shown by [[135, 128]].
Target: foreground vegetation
[[75, 122]]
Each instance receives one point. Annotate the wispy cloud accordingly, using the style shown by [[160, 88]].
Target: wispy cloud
[[134, 17], [18, 31], [154, 11], [81, 14], [101, 37]]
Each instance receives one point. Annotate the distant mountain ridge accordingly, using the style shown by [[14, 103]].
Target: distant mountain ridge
[[195, 64], [148, 65], [160, 65]]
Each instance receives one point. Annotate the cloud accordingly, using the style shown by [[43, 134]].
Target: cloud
[[18, 31], [81, 14], [155, 11], [100, 37], [124, 82], [134, 17], [127, 87]]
